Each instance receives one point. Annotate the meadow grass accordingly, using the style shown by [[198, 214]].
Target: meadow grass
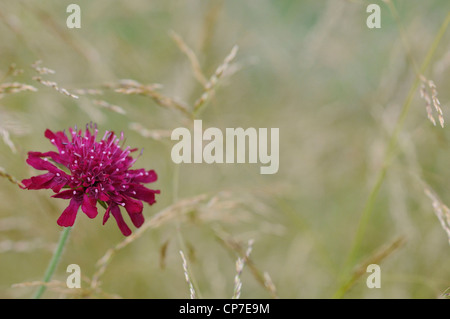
[[363, 146]]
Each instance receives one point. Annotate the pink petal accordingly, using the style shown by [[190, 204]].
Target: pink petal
[[55, 156], [141, 176], [38, 182], [106, 216], [109, 188], [26, 183], [134, 210], [115, 211], [103, 197], [64, 194], [59, 138], [133, 206], [143, 193], [137, 219], [89, 206], [57, 183], [67, 218], [34, 159]]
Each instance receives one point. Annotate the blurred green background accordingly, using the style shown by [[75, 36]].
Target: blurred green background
[[334, 87]]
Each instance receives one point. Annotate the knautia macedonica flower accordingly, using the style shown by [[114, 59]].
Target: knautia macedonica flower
[[87, 171]]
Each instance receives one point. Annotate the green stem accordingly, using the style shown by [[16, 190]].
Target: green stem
[[368, 208], [181, 242], [54, 261]]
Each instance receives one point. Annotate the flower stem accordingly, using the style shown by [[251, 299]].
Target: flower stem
[[53, 262]]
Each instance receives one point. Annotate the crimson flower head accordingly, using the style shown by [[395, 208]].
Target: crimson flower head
[[87, 171]]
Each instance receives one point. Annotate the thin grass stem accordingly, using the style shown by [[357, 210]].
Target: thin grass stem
[[369, 206]]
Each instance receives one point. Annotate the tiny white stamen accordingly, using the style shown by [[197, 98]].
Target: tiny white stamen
[[74, 192], [62, 152], [57, 174], [123, 204]]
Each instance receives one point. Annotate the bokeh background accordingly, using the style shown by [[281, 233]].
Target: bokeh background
[[334, 87]]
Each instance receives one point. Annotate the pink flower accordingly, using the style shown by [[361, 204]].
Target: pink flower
[[91, 172]]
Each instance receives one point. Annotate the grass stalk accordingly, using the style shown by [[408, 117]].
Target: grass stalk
[[369, 205]]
